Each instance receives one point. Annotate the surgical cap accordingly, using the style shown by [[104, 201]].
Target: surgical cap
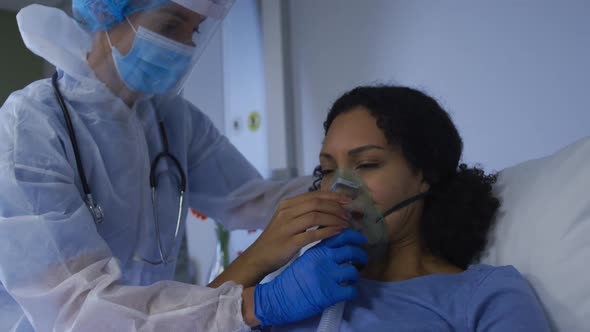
[[101, 15]]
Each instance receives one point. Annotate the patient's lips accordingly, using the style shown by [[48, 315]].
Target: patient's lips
[[357, 216]]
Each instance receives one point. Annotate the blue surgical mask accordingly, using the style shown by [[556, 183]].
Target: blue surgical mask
[[155, 64]]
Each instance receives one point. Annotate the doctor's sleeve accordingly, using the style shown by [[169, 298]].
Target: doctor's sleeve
[[225, 186]]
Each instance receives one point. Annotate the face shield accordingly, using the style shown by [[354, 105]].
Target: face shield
[[155, 44]]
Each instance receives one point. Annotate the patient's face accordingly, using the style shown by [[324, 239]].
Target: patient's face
[[354, 141]]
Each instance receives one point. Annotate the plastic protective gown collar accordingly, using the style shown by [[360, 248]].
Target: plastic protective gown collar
[[53, 35]]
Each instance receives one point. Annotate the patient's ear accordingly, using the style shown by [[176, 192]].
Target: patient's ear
[[424, 185]]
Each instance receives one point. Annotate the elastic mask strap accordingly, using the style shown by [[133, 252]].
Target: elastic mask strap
[[109, 37], [132, 27], [405, 203]]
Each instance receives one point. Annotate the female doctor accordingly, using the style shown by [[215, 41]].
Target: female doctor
[[99, 164]]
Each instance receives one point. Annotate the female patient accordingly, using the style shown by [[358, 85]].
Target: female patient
[[402, 144]]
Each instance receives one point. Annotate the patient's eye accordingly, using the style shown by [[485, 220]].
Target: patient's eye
[[367, 166]]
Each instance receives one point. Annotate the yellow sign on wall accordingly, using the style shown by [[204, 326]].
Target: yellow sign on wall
[[254, 121]]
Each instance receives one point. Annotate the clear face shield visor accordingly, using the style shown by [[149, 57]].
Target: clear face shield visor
[[164, 41]]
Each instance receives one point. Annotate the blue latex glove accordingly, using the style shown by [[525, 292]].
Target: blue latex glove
[[315, 281]]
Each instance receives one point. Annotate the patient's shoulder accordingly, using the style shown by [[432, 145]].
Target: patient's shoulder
[[481, 272], [487, 276], [486, 281], [502, 297]]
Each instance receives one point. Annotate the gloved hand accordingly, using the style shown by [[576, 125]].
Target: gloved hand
[[315, 281]]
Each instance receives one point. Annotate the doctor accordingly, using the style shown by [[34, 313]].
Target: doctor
[[99, 164]]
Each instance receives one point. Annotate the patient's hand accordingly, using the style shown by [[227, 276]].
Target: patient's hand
[[288, 231], [287, 234]]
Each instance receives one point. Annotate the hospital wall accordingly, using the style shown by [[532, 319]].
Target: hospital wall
[[228, 86], [514, 75], [18, 66]]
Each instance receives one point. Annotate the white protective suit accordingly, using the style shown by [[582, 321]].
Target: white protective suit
[[61, 272]]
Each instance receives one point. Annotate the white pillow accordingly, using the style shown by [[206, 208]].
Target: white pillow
[[543, 229]]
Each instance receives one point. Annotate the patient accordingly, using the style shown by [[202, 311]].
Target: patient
[[402, 143]]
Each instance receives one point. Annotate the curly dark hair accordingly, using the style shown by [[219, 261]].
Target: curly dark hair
[[459, 211]]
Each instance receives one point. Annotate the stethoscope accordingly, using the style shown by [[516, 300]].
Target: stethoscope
[[96, 210]]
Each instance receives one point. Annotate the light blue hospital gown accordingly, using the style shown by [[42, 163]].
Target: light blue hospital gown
[[481, 299]]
